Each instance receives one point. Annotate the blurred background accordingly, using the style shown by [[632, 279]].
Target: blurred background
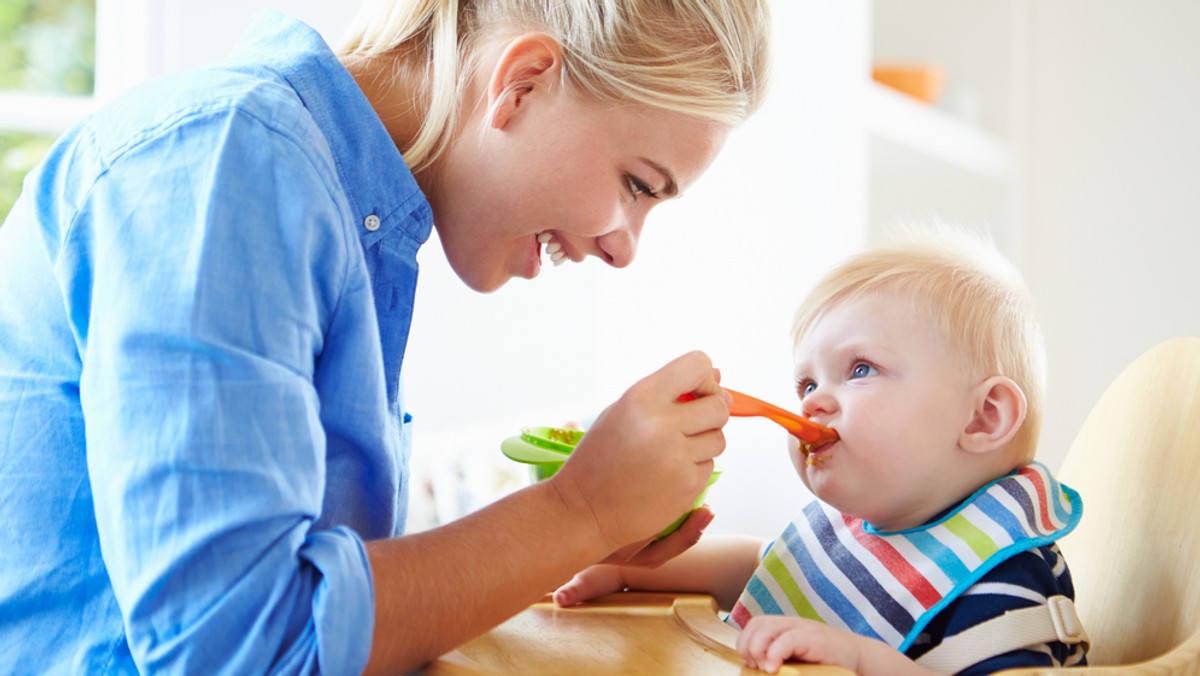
[[1066, 128]]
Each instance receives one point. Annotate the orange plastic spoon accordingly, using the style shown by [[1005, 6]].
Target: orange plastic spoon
[[811, 433]]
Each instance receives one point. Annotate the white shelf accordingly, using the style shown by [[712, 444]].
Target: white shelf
[[921, 128]]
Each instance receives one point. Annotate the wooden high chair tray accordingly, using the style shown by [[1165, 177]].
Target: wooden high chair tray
[[624, 633]]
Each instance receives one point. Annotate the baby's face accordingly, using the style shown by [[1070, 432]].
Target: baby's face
[[879, 372]]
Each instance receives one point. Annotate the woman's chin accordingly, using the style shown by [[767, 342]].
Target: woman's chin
[[487, 285], [483, 280]]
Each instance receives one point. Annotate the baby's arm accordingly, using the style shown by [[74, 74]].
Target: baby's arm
[[770, 640], [719, 565]]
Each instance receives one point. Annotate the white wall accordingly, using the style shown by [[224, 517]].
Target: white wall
[[138, 39], [1113, 189]]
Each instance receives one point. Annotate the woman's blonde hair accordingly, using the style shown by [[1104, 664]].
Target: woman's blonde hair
[[706, 58], [978, 300]]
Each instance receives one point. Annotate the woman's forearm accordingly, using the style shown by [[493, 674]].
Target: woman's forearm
[[437, 589]]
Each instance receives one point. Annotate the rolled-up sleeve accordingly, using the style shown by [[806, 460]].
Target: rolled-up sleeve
[[201, 285]]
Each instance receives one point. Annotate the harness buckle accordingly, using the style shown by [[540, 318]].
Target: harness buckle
[[1066, 622]]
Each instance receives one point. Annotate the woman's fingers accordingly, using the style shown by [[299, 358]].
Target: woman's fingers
[[692, 385], [648, 456], [654, 553]]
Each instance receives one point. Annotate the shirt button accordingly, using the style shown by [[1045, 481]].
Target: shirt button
[[371, 223]]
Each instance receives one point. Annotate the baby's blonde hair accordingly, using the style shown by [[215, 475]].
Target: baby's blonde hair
[[706, 58], [979, 301]]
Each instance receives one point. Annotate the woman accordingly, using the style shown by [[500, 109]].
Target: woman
[[207, 292]]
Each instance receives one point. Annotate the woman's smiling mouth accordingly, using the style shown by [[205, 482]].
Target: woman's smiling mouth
[[554, 248]]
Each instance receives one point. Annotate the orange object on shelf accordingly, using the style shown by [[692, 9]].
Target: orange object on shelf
[[922, 81]]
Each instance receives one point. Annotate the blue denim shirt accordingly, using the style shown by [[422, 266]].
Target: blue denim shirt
[[205, 293]]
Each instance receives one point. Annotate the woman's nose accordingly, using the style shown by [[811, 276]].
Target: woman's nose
[[619, 246]]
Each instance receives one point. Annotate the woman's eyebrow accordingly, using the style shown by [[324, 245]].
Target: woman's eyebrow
[[671, 189]]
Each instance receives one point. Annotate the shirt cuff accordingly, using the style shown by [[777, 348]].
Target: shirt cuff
[[344, 602]]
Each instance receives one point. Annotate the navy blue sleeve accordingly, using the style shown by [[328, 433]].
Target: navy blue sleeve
[[1024, 580]]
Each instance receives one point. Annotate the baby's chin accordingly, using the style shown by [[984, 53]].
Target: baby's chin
[[829, 494], [821, 489]]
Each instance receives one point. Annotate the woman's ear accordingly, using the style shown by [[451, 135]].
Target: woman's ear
[[999, 411], [530, 63]]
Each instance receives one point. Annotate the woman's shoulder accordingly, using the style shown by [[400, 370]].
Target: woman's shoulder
[[231, 127], [225, 154], [217, 104]]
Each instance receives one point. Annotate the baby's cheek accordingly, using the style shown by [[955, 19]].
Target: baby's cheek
[[797, 457]]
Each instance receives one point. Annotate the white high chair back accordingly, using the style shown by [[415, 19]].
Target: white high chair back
[[1135, 556]]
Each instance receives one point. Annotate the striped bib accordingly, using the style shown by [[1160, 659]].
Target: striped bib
[[888, 585]]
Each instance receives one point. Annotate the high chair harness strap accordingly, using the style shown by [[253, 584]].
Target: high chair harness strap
[[841, 571], [1014, 630]]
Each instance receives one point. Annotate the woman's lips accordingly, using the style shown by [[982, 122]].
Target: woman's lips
[[534, 264]]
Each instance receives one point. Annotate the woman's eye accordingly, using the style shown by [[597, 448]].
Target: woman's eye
[[638, 187], [862, 370]]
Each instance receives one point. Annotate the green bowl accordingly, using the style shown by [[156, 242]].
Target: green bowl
[[545, 449]]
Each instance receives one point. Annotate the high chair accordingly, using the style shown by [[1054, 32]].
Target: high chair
[[1135, 556]]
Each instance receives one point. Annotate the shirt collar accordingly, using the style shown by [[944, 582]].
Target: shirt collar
[[377, 180]]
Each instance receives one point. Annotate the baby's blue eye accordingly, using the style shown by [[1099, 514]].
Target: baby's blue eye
[[862, 370], [809, 387]]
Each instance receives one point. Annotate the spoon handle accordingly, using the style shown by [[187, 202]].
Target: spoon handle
[[799, 426]]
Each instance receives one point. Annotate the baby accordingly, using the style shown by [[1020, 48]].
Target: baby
[[931, 520]]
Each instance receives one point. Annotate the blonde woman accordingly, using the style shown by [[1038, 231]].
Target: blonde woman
[[207, 288]]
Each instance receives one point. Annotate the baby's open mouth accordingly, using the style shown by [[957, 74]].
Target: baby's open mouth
[[813, 452]]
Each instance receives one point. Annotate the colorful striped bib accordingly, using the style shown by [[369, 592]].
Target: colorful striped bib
[[839, 570]]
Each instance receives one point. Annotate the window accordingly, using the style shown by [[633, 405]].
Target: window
[[19, 152], [47, 80]]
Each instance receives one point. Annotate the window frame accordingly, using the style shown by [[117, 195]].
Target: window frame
[[125, 51]]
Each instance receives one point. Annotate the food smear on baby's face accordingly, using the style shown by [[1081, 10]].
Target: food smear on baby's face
[[810, 451]]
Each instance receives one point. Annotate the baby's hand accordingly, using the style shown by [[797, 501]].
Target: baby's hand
[[593, 582], [770, 640]]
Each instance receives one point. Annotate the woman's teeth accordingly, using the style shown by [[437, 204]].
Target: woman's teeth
[[554, 248]]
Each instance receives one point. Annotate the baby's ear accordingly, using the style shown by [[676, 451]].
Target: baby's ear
[[1000, 408]]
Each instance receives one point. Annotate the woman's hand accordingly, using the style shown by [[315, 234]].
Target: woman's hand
[[652, 553], [647, 457], [770, 640]]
